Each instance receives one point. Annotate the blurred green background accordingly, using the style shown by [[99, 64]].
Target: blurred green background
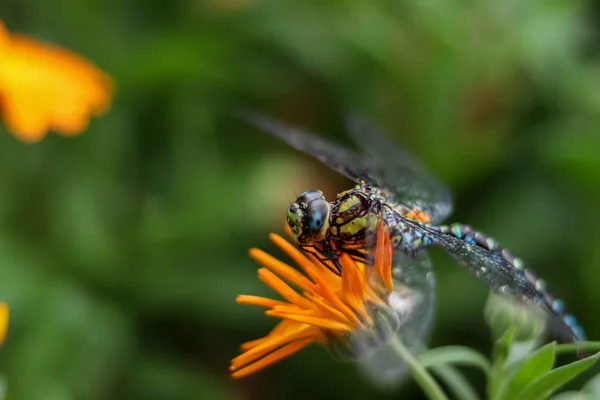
[[122, 249]]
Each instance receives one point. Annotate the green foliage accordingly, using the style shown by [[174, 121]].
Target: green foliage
[[532, 376], [532, 368], [123, 249], [442, 361], [546, 384], [517, 370], [456, 382]]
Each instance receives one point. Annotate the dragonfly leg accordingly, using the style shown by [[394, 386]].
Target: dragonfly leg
[[356, 254], [325, 256]]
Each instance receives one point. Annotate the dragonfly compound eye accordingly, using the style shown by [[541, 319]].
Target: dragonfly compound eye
[[295, 216], [309, 196], [317, 219]]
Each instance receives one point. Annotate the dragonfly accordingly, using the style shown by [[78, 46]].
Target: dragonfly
[[394, 187]]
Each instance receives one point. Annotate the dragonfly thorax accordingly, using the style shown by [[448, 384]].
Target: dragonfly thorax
[[308, 217], [349, 213]]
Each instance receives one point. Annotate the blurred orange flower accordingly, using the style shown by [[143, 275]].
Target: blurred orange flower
[[3, 321], [45, 87]]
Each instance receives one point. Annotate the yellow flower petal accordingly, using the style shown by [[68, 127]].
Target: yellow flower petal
[[3, 321], [45, 87]]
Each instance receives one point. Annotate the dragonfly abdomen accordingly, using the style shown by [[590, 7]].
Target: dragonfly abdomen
[[542, 294], [405, 237]]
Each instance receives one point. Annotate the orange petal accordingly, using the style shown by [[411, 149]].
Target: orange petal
[[324, 290], [326, 309], [282, 288], [387, 259], [354, 286], [323, 323], [272, 358], [286, 272], [258, 301], [284, 327], [379, 245], [252, 343], [24, 117], [270, 345], [296, 255], [3, 321]]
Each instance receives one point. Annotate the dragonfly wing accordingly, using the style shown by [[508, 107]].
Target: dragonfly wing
[[491, 268], [410, 184], [336, 156], [411, 299], [414, 289], [504, 278], [361, 168]]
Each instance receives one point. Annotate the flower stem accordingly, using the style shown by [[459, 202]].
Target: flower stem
[[418, 372]]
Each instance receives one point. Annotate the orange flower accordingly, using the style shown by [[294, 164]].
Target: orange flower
[[353, 314], [3, 321], [45, 87]]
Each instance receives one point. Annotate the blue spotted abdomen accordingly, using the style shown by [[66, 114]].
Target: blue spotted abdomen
[[488, 260], [501, 270], [407, 238]]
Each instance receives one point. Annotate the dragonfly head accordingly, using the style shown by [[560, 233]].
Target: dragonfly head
[[308, 217]]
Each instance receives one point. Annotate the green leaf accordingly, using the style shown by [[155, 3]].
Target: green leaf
[[455, 382], [502, 348], [593, 387], [497, 383], [542, 387], [500, 383], [455, 355], [572, 395], [536, 365]]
